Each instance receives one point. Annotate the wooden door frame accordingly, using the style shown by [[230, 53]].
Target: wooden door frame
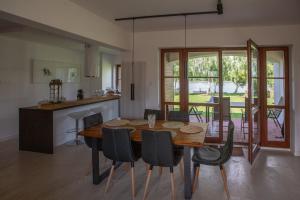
[[253, 152], [264, 142], [286, 107]]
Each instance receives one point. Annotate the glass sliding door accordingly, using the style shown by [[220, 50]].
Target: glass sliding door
[[253, 100], [203, 80]]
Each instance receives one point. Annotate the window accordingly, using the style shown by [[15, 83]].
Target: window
[[118, 77]]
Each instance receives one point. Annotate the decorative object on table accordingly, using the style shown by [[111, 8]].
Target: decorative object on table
[[152, 111], [191, 129], [138, 122], [80, 94], [110, 92], [174, 124], [55, 91], [151, 120], [117, 122]]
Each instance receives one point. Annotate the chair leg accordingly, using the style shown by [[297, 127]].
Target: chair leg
[[196, 178], [132, 181], [172, 183], [181, 169], [147, 182], [224, 176], [147, 167], [110, 176]]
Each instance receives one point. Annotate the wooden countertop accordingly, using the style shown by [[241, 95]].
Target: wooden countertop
[[71, 104]]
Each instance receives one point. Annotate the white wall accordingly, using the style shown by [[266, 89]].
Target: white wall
[[147, 45], [16, 87], [68, 17]]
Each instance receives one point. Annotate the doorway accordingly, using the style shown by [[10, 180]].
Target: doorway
[[212, 85]]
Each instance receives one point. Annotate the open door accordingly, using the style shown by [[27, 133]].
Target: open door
[[253, 100]]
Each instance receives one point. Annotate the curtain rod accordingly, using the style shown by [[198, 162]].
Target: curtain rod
[[219, 11]]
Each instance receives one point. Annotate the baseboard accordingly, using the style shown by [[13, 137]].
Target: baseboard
[[276, 149], [296, 153], [8, 137]]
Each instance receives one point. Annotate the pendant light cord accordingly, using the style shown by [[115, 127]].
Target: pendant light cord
[[132, 58]]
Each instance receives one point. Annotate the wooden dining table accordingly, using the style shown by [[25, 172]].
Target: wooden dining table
[[187, 141]]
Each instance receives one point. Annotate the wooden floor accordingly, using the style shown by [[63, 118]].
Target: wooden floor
[[67, 175]]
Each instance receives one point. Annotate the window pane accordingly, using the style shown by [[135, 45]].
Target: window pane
[[171, 64], [275, 92], [173, 107], [255, 88], [203, 64], [255, 129], [254, 60], [172, 89], [234, 63], [276, 124], [275, 64], [202, 89]]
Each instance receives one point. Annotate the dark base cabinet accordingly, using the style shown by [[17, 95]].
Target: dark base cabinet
[[42, 128], [36, 130]]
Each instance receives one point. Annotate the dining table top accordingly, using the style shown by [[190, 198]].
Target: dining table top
[[179, 138]]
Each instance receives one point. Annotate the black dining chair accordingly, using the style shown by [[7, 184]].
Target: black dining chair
[[215, 157], [157, 113], [178, 116], [158, 150], [90, 121], [118, 147]]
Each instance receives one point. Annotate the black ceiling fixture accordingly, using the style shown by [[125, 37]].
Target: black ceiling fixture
[[219, 11]]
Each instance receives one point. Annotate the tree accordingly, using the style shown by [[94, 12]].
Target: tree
[[235, 70]]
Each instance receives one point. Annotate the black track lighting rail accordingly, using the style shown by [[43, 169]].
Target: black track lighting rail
[[219, 11]]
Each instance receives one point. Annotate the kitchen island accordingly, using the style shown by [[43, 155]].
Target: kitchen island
[[43, 127]]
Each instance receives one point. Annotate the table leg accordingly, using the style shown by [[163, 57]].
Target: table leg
[[97, 177], [207, 114], [187, 173]]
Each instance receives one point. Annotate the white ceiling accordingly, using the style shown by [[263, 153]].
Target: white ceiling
[[236, 12]]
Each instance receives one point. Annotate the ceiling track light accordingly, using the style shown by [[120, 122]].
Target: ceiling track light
[[219, 11]]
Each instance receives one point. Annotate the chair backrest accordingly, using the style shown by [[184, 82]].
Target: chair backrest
[[277, 111], [178, 116], [117, 145], [157, 148], [92, 120], [157, 113], [228, 147], [226, 109], [280, 101]]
